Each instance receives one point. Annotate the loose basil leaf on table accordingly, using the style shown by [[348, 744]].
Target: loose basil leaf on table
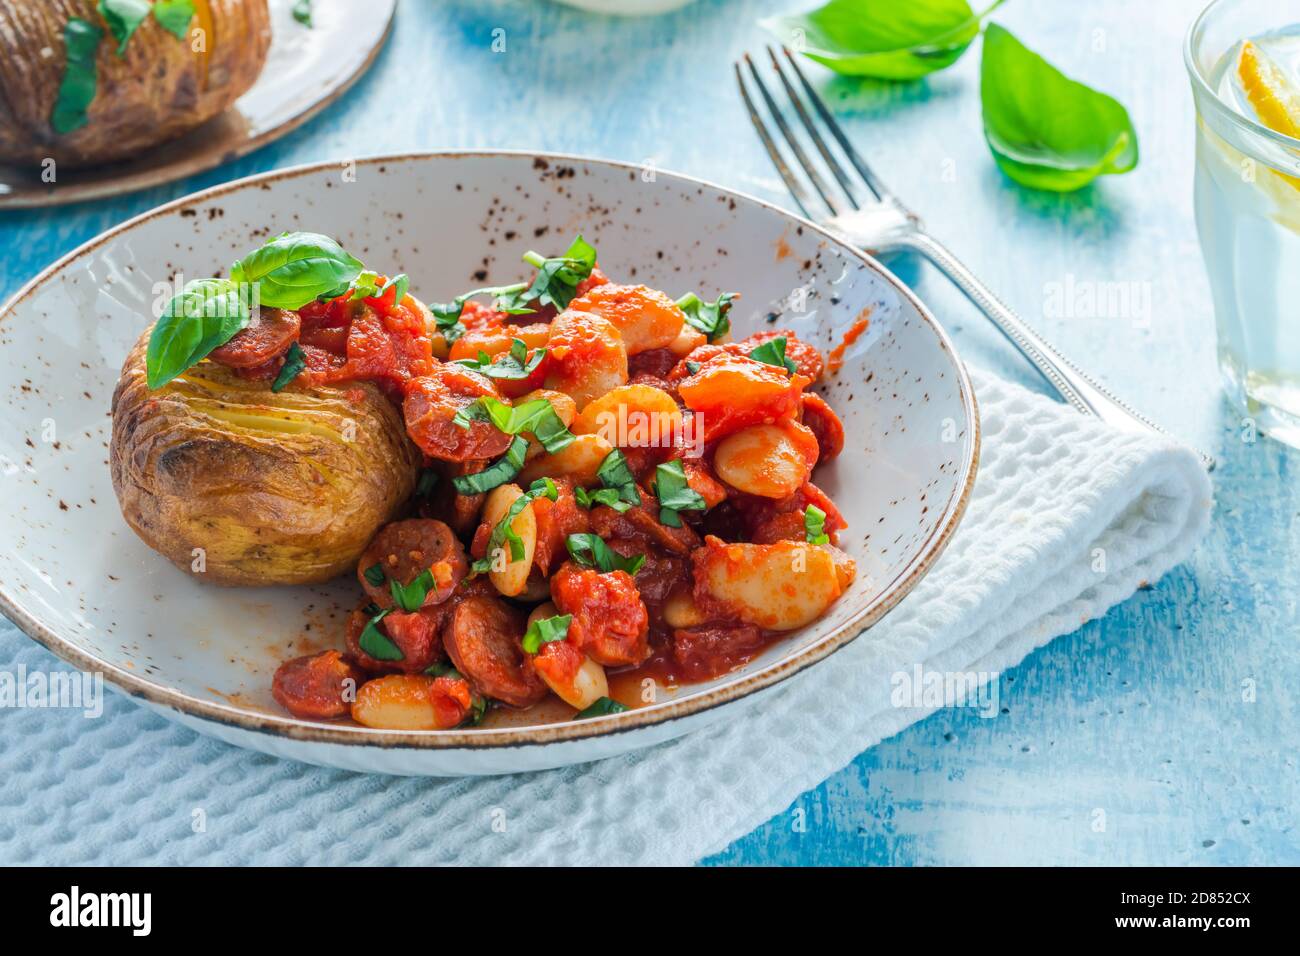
[[206, 314], [675, 493], [174, 16], [591, 551], [77, 89], [296, 268], [708, 317], [772, 352], [123, 18], [1047, 131], [294, 362], [544, 630], [885, 39]]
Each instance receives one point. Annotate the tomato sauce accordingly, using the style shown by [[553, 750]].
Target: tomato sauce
[[835, 361]]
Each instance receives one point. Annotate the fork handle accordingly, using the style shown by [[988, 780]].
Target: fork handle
[[1073, 385]]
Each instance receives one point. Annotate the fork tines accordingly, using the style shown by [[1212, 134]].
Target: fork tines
[[852, 192]]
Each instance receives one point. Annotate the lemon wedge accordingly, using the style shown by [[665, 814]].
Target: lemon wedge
[[1275, 98]]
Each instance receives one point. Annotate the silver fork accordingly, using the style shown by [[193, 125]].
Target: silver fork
[[875, 220]]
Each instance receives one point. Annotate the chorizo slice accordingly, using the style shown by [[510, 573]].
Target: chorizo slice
[[710, 650], [430, 408], [483, 639], [822, 421], [418, 636], [268, 337], [317, 686], [403, 550]]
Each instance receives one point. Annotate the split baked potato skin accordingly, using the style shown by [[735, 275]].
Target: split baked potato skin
[[274, 487], [159, 90]]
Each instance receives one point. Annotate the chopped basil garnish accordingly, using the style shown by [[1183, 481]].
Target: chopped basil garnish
[[708, 317], [293, 364], [503, 535], [174, 16], [497, 473], [602, 707], [77, 90], [302, 13], [538, 416], [814, 525], [410, 597], [692, 367], [514, 366], [591, 551], [375, 574], [367, 286], [376, 643], [544, 630], [123, 18], [443, 669], [619, 491], [772, 352], [557, 279], [675, 493]]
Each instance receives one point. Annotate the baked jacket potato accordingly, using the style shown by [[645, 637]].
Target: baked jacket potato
[[160, 88], [275, 487]]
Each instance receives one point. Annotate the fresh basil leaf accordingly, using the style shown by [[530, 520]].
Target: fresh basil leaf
[[675, 493], [544, 630], [882, 38], [293, 364], [1047, 131], [447, 314], [814, 525], [375, 574], [602, 707], [427, 481], [376, 643], [614, 471], [410, 597], [174, 16], [302, 13], [503, 534], [368, 286], [297, 268], [772, 352], [609, 497], [708, 317], [498, 473], [206, 314], [443, 669], [123, 18], [478, 708], [557, 280], [513, 367], [538, 416], [77, 89], [591, 551], [692, 367]]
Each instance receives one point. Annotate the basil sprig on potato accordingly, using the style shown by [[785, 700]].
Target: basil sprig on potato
[[288, 272]]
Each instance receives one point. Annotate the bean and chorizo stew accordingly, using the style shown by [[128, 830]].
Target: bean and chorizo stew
[[608, 485]]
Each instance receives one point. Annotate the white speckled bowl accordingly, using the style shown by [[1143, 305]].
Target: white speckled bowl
[[74, 576]]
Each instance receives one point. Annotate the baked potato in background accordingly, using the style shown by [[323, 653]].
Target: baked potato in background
[[276, 487], [158, 90]]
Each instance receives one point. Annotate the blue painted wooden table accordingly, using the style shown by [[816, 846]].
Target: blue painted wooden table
[[1175, 714]]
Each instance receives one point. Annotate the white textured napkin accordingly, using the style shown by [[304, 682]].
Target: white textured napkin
[[1067, 518]]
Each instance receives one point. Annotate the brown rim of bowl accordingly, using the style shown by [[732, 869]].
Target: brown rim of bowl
[[217, 154], [540, 734]]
